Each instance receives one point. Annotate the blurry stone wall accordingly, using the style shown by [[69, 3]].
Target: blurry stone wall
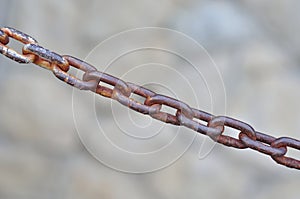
[[255, 45]]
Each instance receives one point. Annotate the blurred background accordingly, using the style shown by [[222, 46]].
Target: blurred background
[[255, 45]]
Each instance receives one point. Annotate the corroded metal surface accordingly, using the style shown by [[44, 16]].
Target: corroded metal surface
[[122, 91]]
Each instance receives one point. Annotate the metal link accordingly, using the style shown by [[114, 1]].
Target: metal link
[[196, 126], [46, 58], [18, 35], [13, 55], [137, 106], [287, 142], [222, 121], [233, 123], [122, 92], [183, 110], [119, 85], [261, 147], [71, 80], [7, 32]]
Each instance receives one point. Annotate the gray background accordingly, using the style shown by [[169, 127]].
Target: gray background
[[256, 47]]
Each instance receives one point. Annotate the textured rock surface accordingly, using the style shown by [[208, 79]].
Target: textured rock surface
[[255, 45]]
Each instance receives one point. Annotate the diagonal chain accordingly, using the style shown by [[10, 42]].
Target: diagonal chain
[[122, 92]]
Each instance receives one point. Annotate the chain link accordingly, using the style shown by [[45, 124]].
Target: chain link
[[152, 105]]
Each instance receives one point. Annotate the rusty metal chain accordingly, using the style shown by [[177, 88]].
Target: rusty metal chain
[[122, 91]]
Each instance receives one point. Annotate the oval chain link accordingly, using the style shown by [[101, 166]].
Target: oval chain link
[[5, 34]]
